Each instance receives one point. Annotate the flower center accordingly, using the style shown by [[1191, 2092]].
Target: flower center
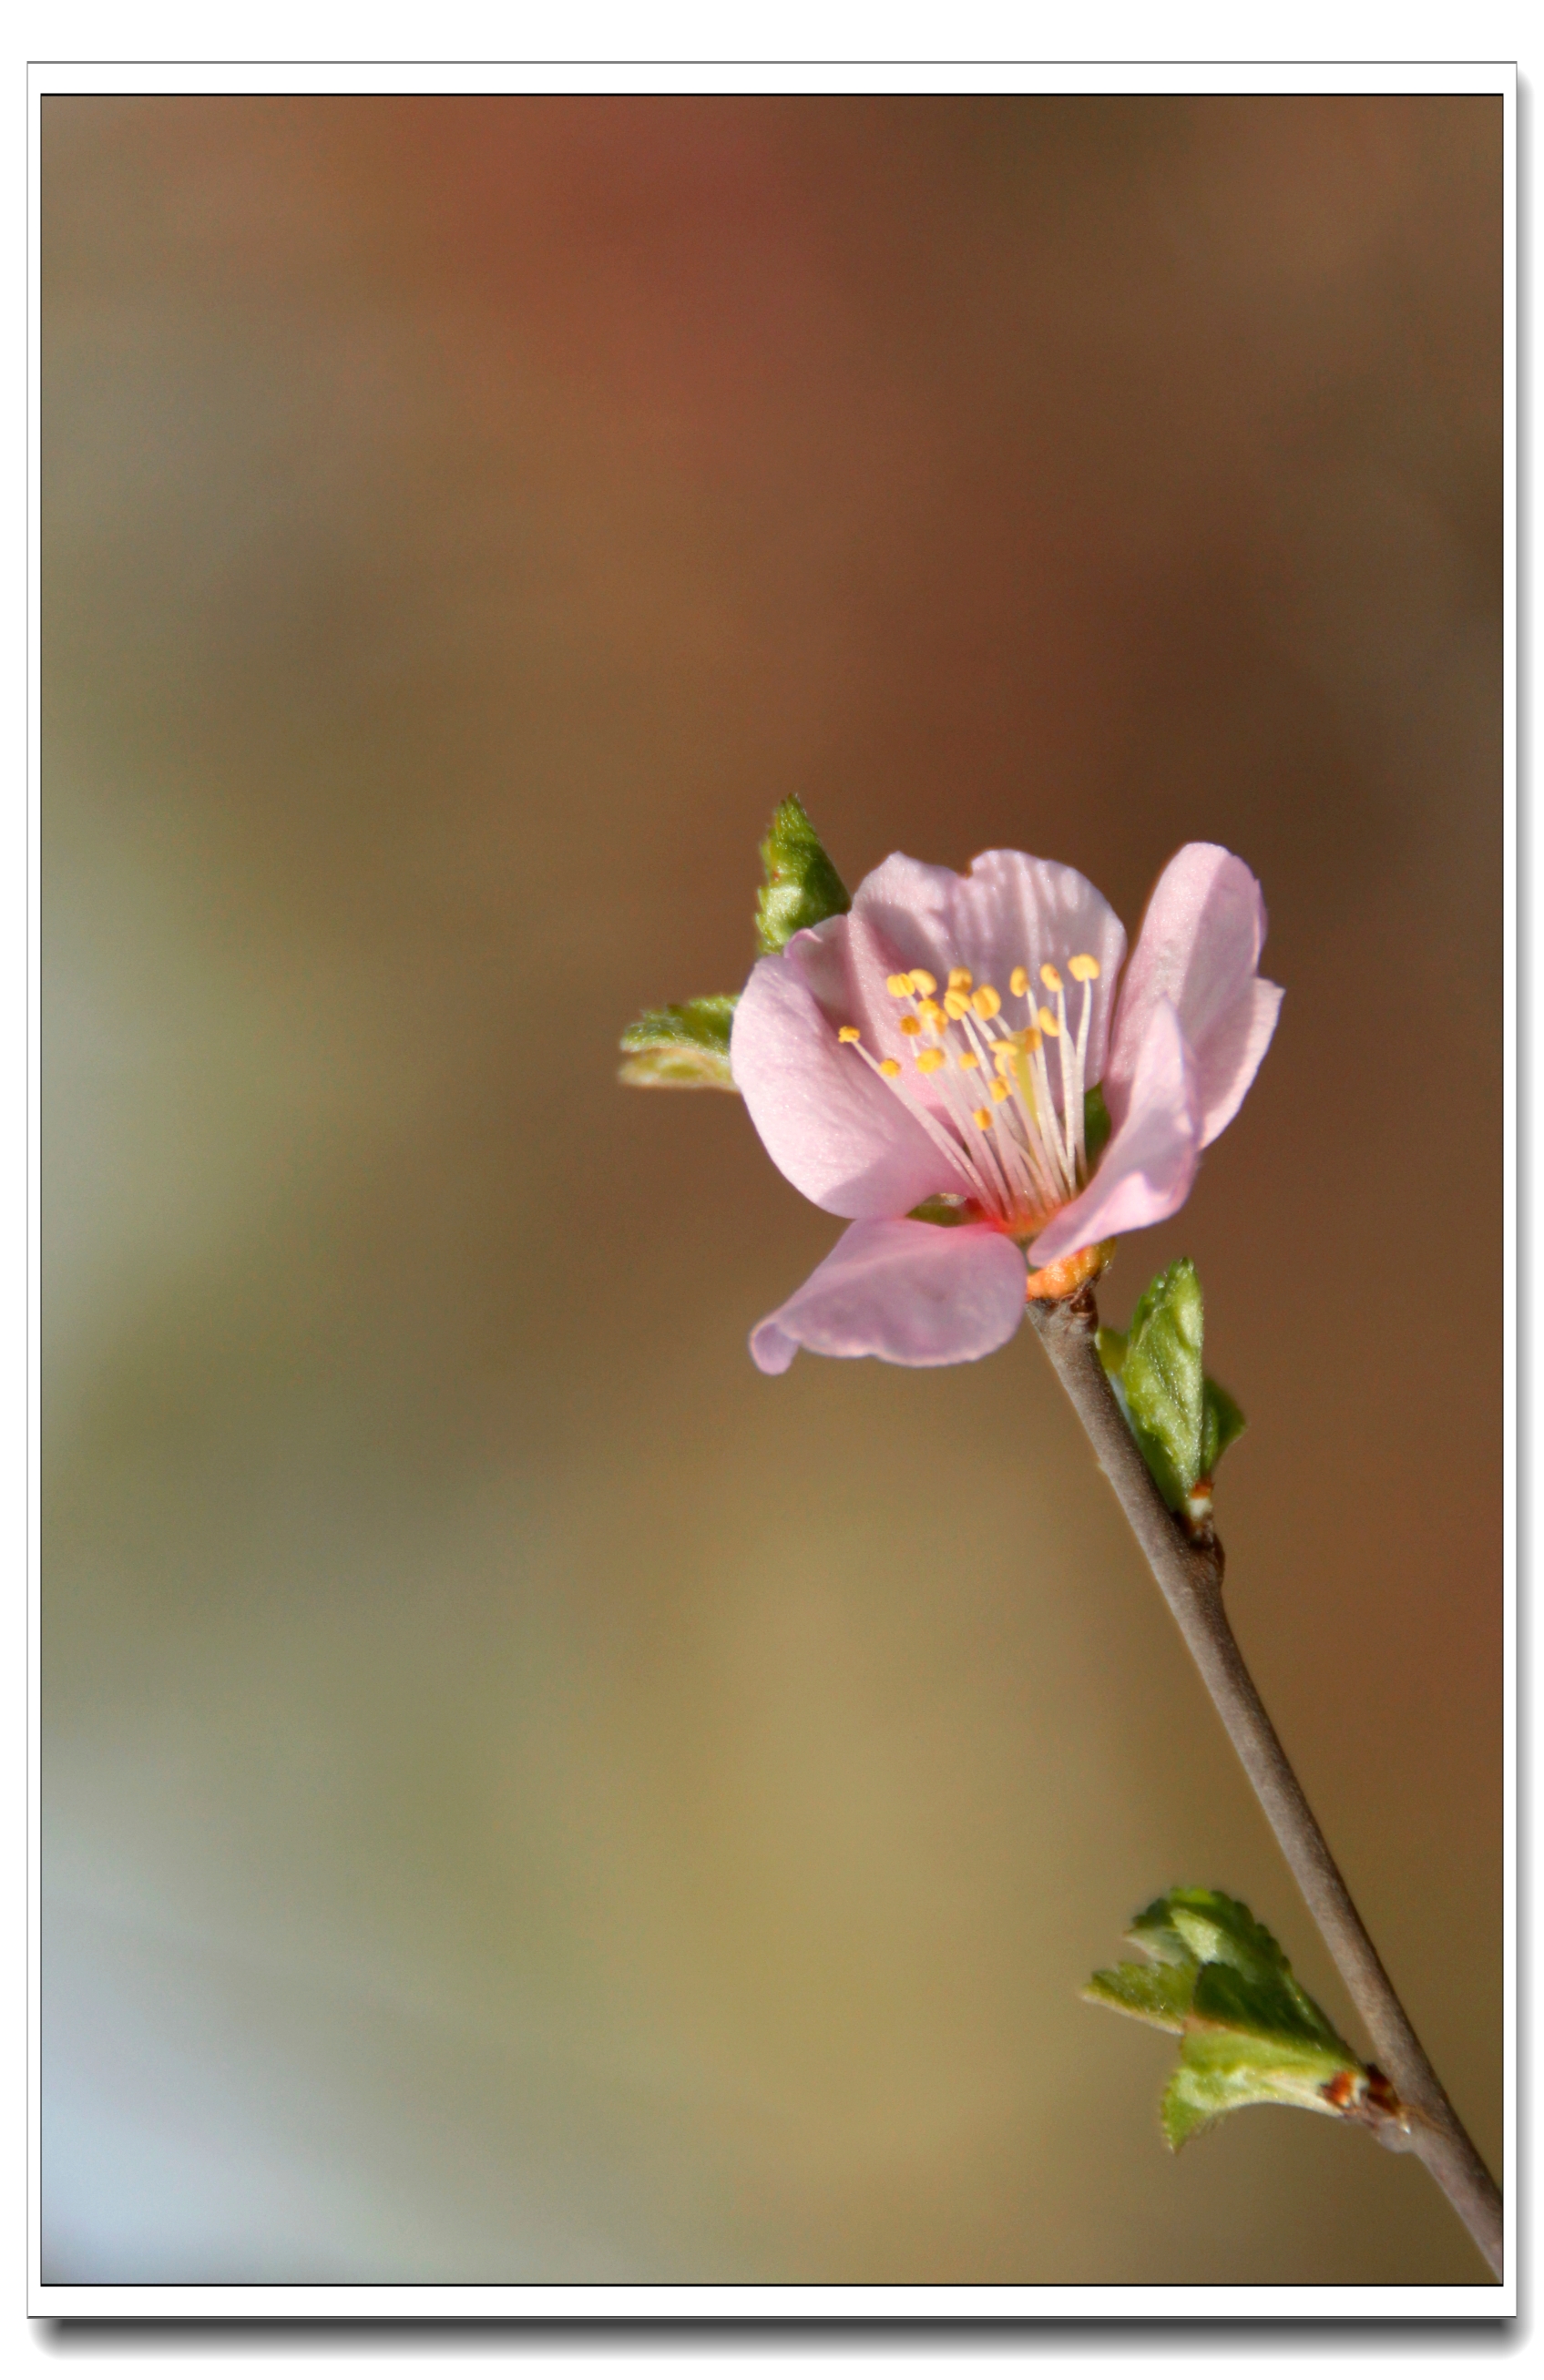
[[1013, 1135]]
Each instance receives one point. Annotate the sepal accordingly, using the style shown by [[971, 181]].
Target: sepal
[[801, 887], [683, 1047]]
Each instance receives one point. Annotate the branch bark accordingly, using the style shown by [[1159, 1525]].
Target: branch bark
[[1190, 1576]]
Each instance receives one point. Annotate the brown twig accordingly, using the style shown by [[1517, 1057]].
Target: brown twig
[[1189, 1572]]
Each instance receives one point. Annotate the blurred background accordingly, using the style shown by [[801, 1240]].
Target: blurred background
[[526, 1797]]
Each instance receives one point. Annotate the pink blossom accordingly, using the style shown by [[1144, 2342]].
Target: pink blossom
[[936, 1044]]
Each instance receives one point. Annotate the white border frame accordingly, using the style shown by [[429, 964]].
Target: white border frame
[[754, 2302]]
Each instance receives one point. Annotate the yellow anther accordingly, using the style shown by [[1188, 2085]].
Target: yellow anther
[[920, 980], [849, 1033], [1049, 1023], [1000, 1091], [981, 1118], [1019, 982], [1084, 969], [930, 1061], [968, 1061], [890, 1068], [911, 1025], [986, 1001], [1032, 1037], [1005, 1057], [960, 978], [931, 1013], [956, 1004], [898, 986], [1050, 977]]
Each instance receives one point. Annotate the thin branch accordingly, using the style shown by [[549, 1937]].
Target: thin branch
[[1190, 1575]]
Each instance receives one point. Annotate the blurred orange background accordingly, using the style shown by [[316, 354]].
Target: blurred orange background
[[526, 1797]]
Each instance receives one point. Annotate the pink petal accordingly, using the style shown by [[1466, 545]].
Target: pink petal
[[909, 1293], [1145, 1172], [1199, 948], [1009, 911], [1233, 1049], [841, 1135], [846, 1139]]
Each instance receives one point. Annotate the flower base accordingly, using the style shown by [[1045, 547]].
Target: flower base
[[1070, 1274]]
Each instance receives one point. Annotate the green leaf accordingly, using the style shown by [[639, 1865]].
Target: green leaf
[[1096, 1124], [802, 888], [1183, 1421], [1161, 1376], [1273, 2007], [702, 1024], [1190, 1923], [1158, 1996], [1218, 2072], [1221, 1422], [1240, 2049], [683, 1047], [1250, 2035], [1212, 1932]]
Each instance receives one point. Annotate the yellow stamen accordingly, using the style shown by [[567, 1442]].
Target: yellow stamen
[[1005, 1056], [849, 1033], [1019, 982], [1001, 1090], [955, 1005], [960, 978], [1031, 1036], [1050, 977], [1084, 969], [968, 1059], [890, 1067], [921, 980], [930, 1061], [986, 1001], [898, 986], [911, 1025], [982, 1118], [1049, 1023], [931, 1013]]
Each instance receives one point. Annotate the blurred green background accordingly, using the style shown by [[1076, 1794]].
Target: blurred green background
[[526, 1797]]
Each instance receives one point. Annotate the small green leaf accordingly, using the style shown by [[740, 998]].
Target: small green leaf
[[684, 1047], [703, 1024], [1158, 1996], [802, 887], [1220, 2071], [1222, 1937], [1250, 2035], [1274, 2007], [1183, 1421], [1161, 1378], [1245, 2045], [1096, 1124], [1220, 1423], [1190, 1923]]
